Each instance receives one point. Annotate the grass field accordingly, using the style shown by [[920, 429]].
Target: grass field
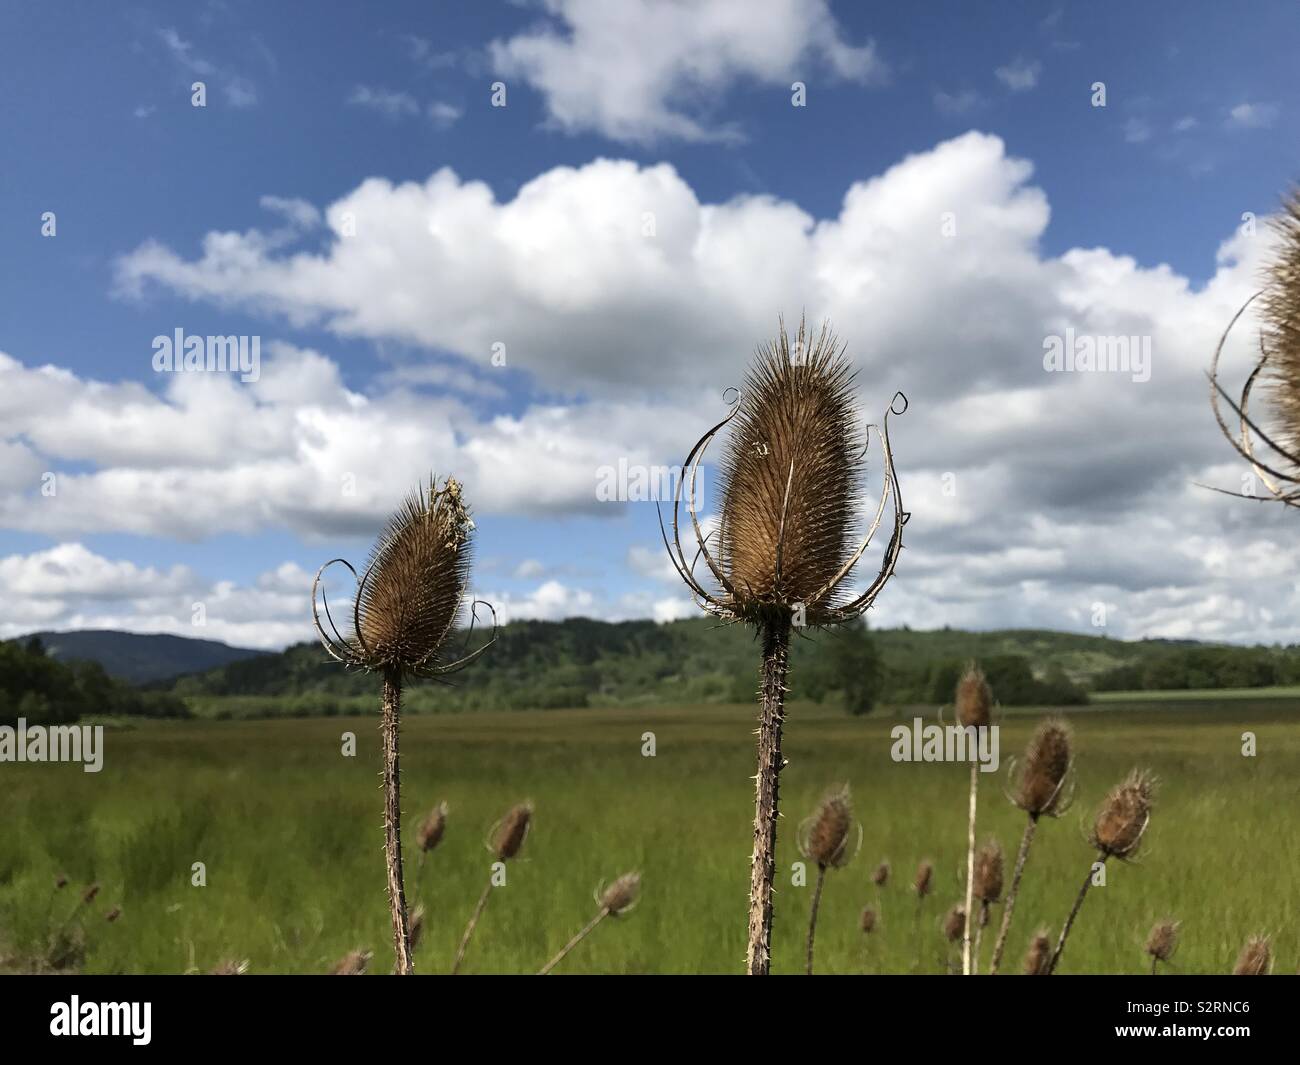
[[289, 831]]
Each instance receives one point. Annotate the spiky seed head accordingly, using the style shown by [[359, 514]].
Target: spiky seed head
[[414, 585], [431, 829], [113, 914], [511, 831], [229, 967], [1041, 788], [1039, 955], [622, 894], [954, 923], [353, 963], [1122, 820], [1162, 940], [824, 838], [973, 699], [988, 872], [415, 926], [796, 429], [880, 877], [1255, 959], [60, 882], [924, 876], [88, 896], [868, 920], [1280, 311]]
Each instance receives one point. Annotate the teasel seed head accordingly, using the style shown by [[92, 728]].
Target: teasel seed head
[[826, 837], [113, 914], [1042, 787], [60, 882], [229, 967], [1280, 311], [509, 833], [924, 876], [973, 699], [1162, 940], [622, 894], [868, 920], [880, 877], [1255, 959], [954, 923], [353, 963], [88, 896], [1124, 815], [1038, 958], [431, 829], [988, 872]]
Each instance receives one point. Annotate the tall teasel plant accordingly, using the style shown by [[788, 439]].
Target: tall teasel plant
[[1277, 465], [826, 840], [973, 705], [788, 539], [404, 608]]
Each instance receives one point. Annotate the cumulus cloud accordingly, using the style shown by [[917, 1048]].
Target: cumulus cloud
[[646, 70], [1248, 115], [1020, 75]]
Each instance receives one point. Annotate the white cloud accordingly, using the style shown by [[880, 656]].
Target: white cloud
[[239, 91], [1137, 131], [957, 103], [1020, 75], [387, 102], [443, 114], [643, 70], [1252, 115]]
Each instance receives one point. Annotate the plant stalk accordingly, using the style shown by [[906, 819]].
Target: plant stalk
[[762, 870], [1069, 921], [970, 869], [604, 912], [469, 928], [1021, 857], [391, 714], [812, 915]]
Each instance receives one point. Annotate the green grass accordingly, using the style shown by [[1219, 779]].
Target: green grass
[[290, 834], [1199, 695]]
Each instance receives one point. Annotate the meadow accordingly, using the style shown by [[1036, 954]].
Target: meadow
[[289, 831]]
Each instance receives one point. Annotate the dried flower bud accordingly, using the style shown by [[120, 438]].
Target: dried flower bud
[[1038, 958], [1048, 758], [622, 894], [511, 831], [1256, 958], [824, 838], [1162, 940], [1124, 815], [988, 872], [973, 699]]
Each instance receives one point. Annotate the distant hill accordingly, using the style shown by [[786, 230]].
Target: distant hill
[[141, 658]]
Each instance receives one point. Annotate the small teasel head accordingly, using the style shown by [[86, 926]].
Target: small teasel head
[[88, 896], [827, 837], [1162, 940], [431, 829], [621, 895], [113, 914], [508, 834], [954, 923], [353, 963], [407, 601], [1038, 958], [880, 876], [1043, 783], [924, 878], [790, 529], [1124, 816], [1256, 958], [988, 872], [868, 920], [973, 699]]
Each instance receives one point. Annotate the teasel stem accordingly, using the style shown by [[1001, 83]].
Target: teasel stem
[[812, 915], [1021, 857], [391, 714], [469, 928], [1155, 965], [762, 871], [1069, 921], [970, 868], [586, 931], [979, 936]]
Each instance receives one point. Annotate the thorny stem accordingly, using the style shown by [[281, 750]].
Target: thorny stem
[[391, 713], [812, 915], [970, 870], [762, 870], [469, 928], [1069, 921], [604, 912], [1025, 840]]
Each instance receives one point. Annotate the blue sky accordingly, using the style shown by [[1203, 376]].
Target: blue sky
[[217, 220]]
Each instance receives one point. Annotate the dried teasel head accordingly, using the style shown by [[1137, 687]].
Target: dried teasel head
[[410, 595], [353, 963], [1162, 940], [973, 699], [789, 534], [113, 914], [1042, 787], [954, 923], [60, 882], [827, 837], [621, 895], [1255, 959], [1124, 815], [509, 833], [988, 872], [868, 920], [88, 896], [431, 829], [880, 876], [1038, 958], [924, 878]]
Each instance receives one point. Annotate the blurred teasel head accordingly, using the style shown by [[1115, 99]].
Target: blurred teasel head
[[508, 834], [432, 828], [1124, 816], [1038, 958], [1255, 959], [924, 878], [1162, 940], [827, 837], [973, 699], [880, 877], [409, 597], [790, 530], [988, 872], [621, 895]]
